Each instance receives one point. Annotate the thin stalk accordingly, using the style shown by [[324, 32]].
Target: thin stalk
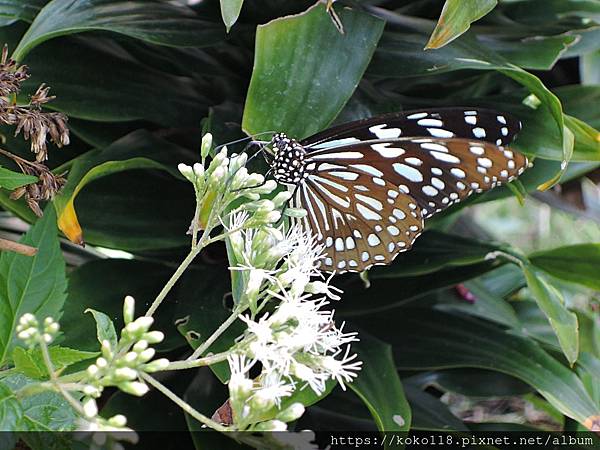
[[182, 404], [206, 361], [218, 332]]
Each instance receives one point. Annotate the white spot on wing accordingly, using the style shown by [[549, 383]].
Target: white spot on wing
[[408, 172], [385, 133]]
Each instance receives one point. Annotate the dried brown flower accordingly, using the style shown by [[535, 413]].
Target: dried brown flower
[[46, 187], [36, 125]]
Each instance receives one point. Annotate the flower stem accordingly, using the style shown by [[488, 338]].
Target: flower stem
[[218, 332], [182, 404], [192, 363]]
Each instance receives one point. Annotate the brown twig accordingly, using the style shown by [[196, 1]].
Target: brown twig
[[16, 247]]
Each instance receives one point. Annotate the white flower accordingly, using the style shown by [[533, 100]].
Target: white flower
[[342, 370]]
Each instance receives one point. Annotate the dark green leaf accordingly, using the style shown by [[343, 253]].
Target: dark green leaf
[[150, 20], [297, 86], [11, 10], [102, 285], [31, 284], [230, 10], [456, 18], [379, 386], [574, 263], [424, 339], [31, 363], [105, 328], [12, 180], [590, 68], [552, 304], [429, 413]]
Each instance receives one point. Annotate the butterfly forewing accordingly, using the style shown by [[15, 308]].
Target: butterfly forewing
[[361, 223], [469, 123]]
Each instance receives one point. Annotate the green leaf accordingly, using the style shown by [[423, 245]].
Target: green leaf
[[590, 68], [31, 284], [11, 413], [12, 180], [379, 386], [11, 10], [297, 86], [575, 263], [152, 21], [429, 340], [550, 301], [31, 363], [428, 412], [230, 11], [456, 18], [101, 285], [105, 328], [138, 150]]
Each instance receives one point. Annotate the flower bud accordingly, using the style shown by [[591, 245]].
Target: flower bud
[[125, 373], [297, 213], [92, 370], [271, 425], [101, 363], [282, 198], [128, 309], [153, 337], [268, 187], [146, 355], [118, 421], [90, 408], [134, 388], [206, 145], [291, 413], [91, 391], [156, 366], [106, 349], [186, 171], [140, 346]]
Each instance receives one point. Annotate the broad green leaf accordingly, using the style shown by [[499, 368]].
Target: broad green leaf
[[152, 21], [471, 383], [589, 66], [12, 10], [379, 386], [429, 413], [12, 180], [31, 284], [102, 285], [428, 340], [31, 363], [11, 413], [574, 263], [456, 18], [305, 70], [105, 328], [140, 97], [230, 11], [563, 322], [132, 152]]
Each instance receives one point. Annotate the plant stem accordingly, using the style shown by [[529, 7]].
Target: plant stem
[[182, 404], [192, 363], [218, 332], [16, 247]]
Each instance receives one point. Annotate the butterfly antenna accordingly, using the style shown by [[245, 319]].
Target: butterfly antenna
[[219, 147]]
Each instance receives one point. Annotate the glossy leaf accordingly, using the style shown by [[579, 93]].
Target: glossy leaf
[[230, 11], [31, 363], [12, 180], [379, 386], [456, 18], [132, 152], [575, 263], [33, 284], [424, 339], [12, 10], [563, 322], [299, 91], [150, 20]]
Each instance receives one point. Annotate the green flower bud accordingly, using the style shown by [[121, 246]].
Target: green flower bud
[[128, 309], [291, 413], [206, 145], [136, 388]]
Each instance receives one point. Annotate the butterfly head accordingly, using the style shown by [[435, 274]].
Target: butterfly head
[[288, 163]]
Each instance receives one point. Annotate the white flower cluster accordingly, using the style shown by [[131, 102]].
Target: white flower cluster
[[226, 180], [296, 343], [122, 364], [28, 330]]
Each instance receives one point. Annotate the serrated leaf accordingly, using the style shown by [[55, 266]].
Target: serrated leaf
[[31, 284], [456, 18], [31, 363], [152, 21], [297, 86], [12, 180], [105, 329]]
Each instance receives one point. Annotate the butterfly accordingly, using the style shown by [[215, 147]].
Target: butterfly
[[367, 186]]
